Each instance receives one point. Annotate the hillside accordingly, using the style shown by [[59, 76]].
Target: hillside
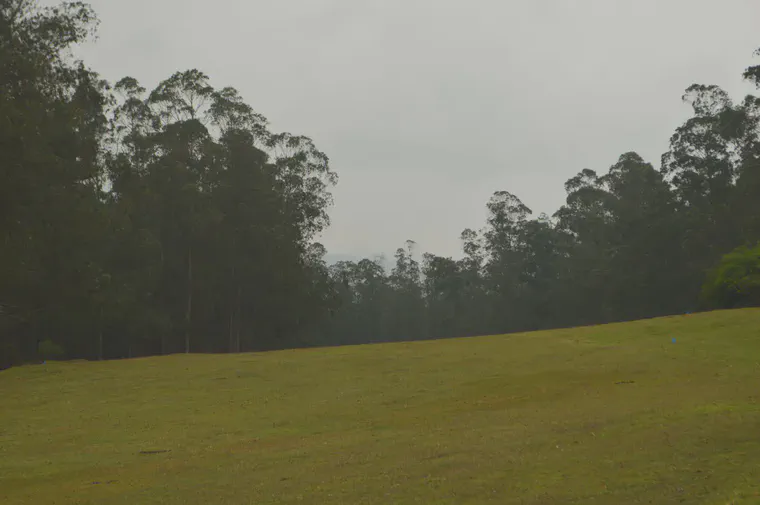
[[614, 414]]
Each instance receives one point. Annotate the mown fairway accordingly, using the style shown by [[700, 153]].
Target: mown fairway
[[609, 415]]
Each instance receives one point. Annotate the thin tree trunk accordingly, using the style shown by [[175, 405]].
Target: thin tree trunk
[[231, 347], [235, 318], [100, 345], [100, 335], [239, 318], [162, 294], [189, 312], [232, 309]]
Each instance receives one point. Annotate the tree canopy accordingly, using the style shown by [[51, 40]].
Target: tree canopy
[[138, 222], [735, 282]]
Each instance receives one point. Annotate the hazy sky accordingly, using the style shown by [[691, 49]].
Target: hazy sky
[[427, 107]]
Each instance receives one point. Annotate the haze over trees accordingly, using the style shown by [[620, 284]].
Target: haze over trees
[[137, 222]]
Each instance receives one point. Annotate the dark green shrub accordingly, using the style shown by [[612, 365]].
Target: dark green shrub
[[735, 282], [49, 350]]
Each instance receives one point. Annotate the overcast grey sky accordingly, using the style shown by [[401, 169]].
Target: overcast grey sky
[[427, 107]]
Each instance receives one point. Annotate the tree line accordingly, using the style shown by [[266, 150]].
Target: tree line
[[140, 222]]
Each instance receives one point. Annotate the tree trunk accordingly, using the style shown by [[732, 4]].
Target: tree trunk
[[235, 318], [100, 345], [231, 347], [239, 318], [189, 311], [100, 335], [232, 310], [163, 296]]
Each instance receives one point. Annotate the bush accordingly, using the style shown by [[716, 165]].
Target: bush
[[49, 350], [735, 282]]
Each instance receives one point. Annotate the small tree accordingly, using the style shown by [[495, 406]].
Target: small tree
[[49, 350], [735, 282]]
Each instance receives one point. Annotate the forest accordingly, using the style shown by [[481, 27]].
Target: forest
[[138, 222]]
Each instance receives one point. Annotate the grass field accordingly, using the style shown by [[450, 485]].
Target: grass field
[[613, 414]]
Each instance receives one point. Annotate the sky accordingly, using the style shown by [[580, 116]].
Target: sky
[[426, 108]]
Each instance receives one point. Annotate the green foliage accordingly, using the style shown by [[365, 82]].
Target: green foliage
[[49, 350], [139, 222], [136, 222], [631, 243], [735, 282]]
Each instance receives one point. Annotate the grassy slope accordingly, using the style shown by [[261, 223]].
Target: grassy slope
[[529, 419]]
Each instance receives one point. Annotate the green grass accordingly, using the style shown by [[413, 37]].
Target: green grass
[[521, 419]]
